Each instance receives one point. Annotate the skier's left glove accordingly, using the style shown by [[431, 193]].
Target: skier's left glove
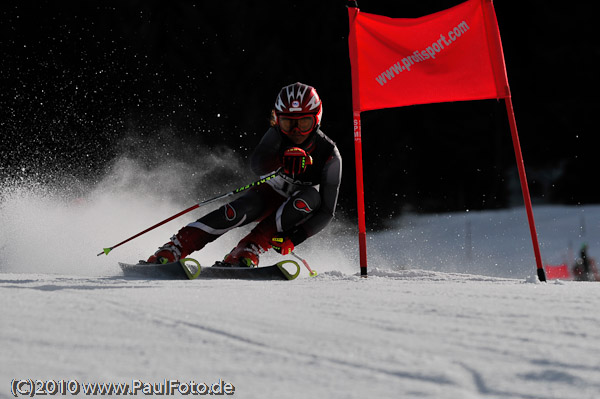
[[295, 161], [283, 245]]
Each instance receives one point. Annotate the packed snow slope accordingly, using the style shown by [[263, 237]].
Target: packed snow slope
[[449, 309]]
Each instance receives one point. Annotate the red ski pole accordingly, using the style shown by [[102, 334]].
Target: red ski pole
[[311, 272], [191, 208]]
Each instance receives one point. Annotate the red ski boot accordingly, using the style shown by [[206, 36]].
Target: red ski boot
[[166, 254], [186, 241], [245, 254]]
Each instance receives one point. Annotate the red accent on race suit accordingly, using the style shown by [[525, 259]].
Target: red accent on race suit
[[230, 213], [302, 206]]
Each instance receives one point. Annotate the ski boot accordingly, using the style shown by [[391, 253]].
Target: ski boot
[[168, 253], [244, 255], [186, 241]]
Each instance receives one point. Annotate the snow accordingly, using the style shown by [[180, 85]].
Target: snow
[[451, 307]]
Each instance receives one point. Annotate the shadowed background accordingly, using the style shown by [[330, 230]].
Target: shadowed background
[[84, 83]]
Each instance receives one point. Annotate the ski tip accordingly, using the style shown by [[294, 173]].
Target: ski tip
[[289, 275], [190, 272]]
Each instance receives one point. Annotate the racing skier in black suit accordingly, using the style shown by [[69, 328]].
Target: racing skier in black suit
[[295, 205]]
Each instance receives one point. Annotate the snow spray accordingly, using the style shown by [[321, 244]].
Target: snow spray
[[58, 227]]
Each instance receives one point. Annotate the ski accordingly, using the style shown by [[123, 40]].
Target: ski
[[190, 269]]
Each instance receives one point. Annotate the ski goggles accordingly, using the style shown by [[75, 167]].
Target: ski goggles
[[304, 123]]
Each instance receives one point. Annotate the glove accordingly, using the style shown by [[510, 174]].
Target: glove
[[295, 161], [283, 245]]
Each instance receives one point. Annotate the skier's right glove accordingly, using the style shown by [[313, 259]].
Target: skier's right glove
[[295, 161]]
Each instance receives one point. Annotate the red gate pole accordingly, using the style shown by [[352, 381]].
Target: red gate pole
[[497, 57], [524, 187], [360, 196], [360, 190]]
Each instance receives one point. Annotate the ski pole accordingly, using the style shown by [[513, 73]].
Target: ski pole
[[191, 208], [311, 272]]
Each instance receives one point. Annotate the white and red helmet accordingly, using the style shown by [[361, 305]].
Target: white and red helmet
[[299, 100]]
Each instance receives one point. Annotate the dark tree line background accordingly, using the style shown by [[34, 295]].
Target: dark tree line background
[[79, 77]]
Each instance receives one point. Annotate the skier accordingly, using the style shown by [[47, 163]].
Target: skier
[[585, 267], [295, 205]]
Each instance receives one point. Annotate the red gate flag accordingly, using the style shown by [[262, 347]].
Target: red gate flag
[[452, 55]]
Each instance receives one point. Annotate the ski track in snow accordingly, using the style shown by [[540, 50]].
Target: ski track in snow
[[440, 316], [413, 333]]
